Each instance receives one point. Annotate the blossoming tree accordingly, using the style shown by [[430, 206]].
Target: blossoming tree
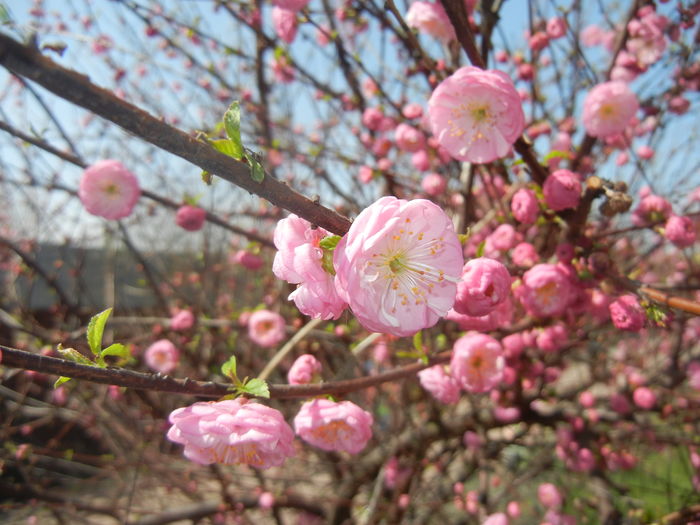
[[407, 262]]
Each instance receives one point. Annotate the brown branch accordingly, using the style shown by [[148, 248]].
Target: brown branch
[[457, 13], [679, 303], [15, 358], [76, 88]]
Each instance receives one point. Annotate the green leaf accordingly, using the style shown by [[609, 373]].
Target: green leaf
[[329, 242], [95, 329], [60, 381], [71, 354], [228, 147], [256, 387], [257, 172], [556, 154], [480, 249], [418, 341], [232, 124], [117, 350], [4, 15], [228, 369]]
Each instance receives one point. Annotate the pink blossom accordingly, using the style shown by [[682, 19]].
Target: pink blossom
[[304, 369], [292, 5], [190, 218], [301, 260], [645, 152], [430, 18], [477, 362], [434, 184], [694, 375], [476, 114], [365, 174], [282, 69], [398, 265], [524, 206], [266, 500], [556, 27], [538, 41], [500, 317], [546, 290], [329, 425], [651, 209], [420, 160], [644, 397], [627, 314], [680, 231], [162, 356], [440, 384], [562, 190], [413, 110], [608, 109], [592, 35], [285, 23], [232, 432], [372, 118], [485, 284], [266, 328], [409, 138], [249, 260], [549, 496], [496, 519], [109, 190], [552, 338], [524, 255], [678, 105], [182, 321]]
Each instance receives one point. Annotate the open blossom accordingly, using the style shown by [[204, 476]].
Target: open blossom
[[546, 290], [266, 328], [562, 190], [190, 218], [524, 254], [182, 320], [476, 114], [652, 208], [300, 260], [285, 23], [398, 265], [627, 314], [440, 384], [430, 18], [330, 425], [477, 362], [524, 206], [608, 109], [107, 189], [485, 284], [162, 356], [232, 432], [303, 370]]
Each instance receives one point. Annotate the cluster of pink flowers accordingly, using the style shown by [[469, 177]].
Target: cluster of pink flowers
[[300, 260], [476, 114], [107, 189]]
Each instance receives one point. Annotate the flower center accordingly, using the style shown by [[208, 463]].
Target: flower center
[[247, 453], [547, 292], [331, 432], [111, 189]]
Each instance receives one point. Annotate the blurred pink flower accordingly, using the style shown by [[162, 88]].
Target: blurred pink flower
[[430, 18], [546, 290], [408, 138], [107, 189], [608, 109], [524, 255], [644, 397], [303, 370], [485, 284], [440, 384], [190, 218], [549, 496], [524, 206], [266, 328], [627, 314], [651, 209], [301, 260], [434, 184], [562, 190], [412, 111], [476, 114], [680, 231], [477, 362], [232, 432], [181, 321], [248, 260], [556, 27], [284, 22], [293, 5], [329, 425], [398, 265], [496, 519], [162, 356]]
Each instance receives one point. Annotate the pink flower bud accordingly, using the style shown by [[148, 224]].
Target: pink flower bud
[[485, 284], [190, 218], [304, 369], [562, 190], [627, 314]]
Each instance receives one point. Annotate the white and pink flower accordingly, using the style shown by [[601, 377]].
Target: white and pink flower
[[107, 189]]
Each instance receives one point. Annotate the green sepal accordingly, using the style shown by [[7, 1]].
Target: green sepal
[[329, 242], [60, 381]]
